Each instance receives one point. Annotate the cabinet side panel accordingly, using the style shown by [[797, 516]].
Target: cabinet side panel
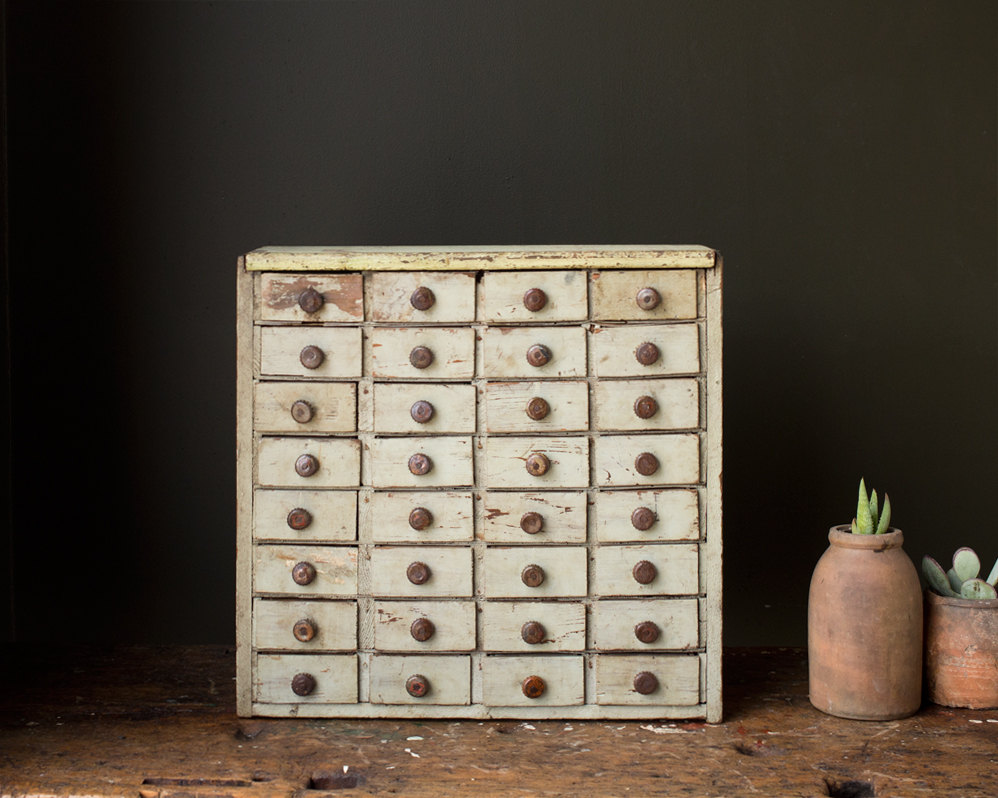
[[244, 488], [712, 546]]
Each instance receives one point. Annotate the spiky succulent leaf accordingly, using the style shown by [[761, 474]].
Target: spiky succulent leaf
[[874, 509], [885, 516], [864, 520], [978, 589], [855, 529], [936, 577], [966, 563], [954, 580], [993, 577]]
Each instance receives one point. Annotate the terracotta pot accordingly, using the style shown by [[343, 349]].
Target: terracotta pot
[[961, 651], [864, 628]]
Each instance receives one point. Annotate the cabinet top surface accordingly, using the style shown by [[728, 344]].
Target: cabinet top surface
[[615, 256]]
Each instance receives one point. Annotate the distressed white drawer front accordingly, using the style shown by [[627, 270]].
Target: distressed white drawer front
[[309, 407], [393, 351], [534, 626], [557, 296], [675, 515], [567, 462], [648, 404], [623, 625], [395, 295], [677, 677], [508, 572], [565, 406], [338, 462], [444, 571], [503, 680], [334, 352], [550, 517], [334, 569], [397, 405], [505, 351], [335, 678], [448, 679], [615, 350], [676, 459], [320, 625], [450, 462], [331, 515], [675, 566], [615, 294], [451, 625], [399, 517], [281, 295]]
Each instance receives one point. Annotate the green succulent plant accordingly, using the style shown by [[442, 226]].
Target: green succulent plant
[[963, 579], [869, 518]]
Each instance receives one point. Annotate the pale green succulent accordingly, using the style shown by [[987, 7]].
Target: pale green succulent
[[963, 579], [869, 519]]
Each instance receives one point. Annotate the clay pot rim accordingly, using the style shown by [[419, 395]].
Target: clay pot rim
[[953, 601], [842, 535]]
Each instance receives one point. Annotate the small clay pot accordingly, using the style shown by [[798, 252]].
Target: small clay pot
[[961, 651]]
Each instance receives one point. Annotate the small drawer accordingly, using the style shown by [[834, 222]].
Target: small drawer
[[644, 515], [305, 679], [305, 570], [548, 406], [548, 517], [537, 462], [310, 407], [529, 681], [535, 296], [665, 569], [308, 462], [646, 625], [421, 571], [311, 297], [419, 297], [416, 517], [535, 571], [647, 460], [320, 352], [534, 352], [421, 462], [649, 679], [431, 679], [534, 626], [423, 408], [437, 353], [305, 625], [305, 515], [640, 350], [424, 625], [648, 405], [639, 295]]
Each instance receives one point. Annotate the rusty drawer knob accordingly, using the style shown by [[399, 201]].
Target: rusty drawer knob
[[647, 631], [310, 300], [418, 573], [533, 632], [532, 523], [644, 572], [421, 357], [417, 685], [645, 407], [645, 683], [303, 573], [304, 630], [311, 357], [421, 411], [302, 411], [303, 684], [538, 464], [538, 408], [643, 519], [538, 355], [646, 464], [422, 298], [533, 687], [422, 629], [647, 354], [535, 299], [306, 465], [420, 518], [420, 464], [532, 576], [648, 299], [299, 518]]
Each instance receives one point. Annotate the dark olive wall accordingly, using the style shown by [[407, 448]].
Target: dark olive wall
[[840, 154]]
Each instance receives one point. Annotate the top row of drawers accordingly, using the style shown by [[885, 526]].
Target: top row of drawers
[[506, 297]]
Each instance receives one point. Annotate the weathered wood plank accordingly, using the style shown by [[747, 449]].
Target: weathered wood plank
[[562, 517], [342, 297]]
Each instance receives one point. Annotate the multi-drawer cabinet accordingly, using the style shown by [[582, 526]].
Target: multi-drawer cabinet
[[479, 482]]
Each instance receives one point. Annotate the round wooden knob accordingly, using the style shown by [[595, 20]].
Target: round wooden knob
[[299, 519], [533, 687], [534, 299], [645, 407], [417, 685], [420, 464], [642, 519], [422, 629], [532, 576], [302, 411], [421, 411], [648, 299], [537, 464], [532, 523], [645, 683], [306, 465], [418, 573], [420, 518], [311, 357], [310, 300], [303, 573], [647, 632], [303, 684], [533, 633], [647, 354], [304, 630], [422, 298], [646, 464], [421, 357], [644, 572], [538, 408], [538, 355]]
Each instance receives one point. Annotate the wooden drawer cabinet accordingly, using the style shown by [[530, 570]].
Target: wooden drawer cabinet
[[479, 483]]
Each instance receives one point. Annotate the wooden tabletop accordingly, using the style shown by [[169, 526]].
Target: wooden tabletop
[[160, 721]]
